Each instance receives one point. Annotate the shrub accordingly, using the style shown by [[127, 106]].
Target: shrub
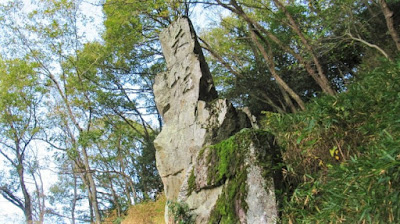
[[341, 155]]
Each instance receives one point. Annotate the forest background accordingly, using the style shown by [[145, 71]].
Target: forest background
[[321, 75]]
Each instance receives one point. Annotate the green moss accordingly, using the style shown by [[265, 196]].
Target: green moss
[[191, 183], [231, 200], [226, 162], [226, 157], [201, 153], [180, 212]]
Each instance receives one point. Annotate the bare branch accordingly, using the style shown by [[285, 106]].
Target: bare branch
[[369, 45]]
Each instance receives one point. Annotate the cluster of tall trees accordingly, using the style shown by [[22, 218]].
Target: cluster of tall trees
[[85, 107], [276, 55], [82, 108]]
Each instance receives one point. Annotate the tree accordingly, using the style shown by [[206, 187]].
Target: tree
[[314, 46], [88, 83], [20, 97], [390, 23]]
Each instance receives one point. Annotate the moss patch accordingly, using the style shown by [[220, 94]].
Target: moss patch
[[191, 183], [179, 213], [226, 162]]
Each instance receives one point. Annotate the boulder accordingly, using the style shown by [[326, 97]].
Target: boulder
[[209, 154]]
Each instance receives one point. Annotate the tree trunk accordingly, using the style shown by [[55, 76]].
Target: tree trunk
[[266, 99], [369, 45], [322, 79], [91, 187], [27, 197], [389, 23], [115, 199], [41, 202], [271, 66], [288, 101], [73, 206], [124, 176]]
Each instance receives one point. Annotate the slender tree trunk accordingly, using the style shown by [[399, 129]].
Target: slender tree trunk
[[115, 199], [323, 80], [268, 58], [271, 66], [43, 199], [27, 197], [220, 59], [129, 187], [266, 99], [92, 187], [319, 77], [288, 100], [124, 176], [74, 199], [40, 197], [19, 165], [92, 217], [389, 23]]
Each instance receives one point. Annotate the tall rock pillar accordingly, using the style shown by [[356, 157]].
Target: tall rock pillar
[[193, 168]]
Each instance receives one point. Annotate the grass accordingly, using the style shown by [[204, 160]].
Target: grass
[[151, 212], [341, 157]]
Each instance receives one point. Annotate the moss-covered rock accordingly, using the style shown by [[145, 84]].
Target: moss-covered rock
[[226, 177], [228, 164]]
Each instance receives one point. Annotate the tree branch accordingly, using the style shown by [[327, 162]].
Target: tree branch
[[369, 45], [9, 196]]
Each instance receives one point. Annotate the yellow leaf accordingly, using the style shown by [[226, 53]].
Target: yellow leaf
[[332, 151]]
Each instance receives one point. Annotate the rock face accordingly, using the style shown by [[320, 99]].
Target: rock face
[[201, 152]]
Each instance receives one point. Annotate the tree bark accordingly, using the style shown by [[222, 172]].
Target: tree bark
[[389, 23], [369, 45], [323, 80], [287, 99], [41, 203], [115, 199], [92, 187], [74, 200], [27, 197], [271, 66]]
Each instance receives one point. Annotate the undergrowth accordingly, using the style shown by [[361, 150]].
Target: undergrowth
[[150, 212], [179, 213], [341, 155]]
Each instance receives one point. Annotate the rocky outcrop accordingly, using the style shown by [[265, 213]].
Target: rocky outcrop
[[203, 157]]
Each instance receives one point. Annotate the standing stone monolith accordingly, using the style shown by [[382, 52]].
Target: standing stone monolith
[[193, 169]]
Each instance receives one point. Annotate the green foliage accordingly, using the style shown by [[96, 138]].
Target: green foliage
[[226, 161], [325, 25], [180, 213], [20, 96], [19, 84], [191, 183], [99, 93], [364, 189], [20, 100], [341, 157]]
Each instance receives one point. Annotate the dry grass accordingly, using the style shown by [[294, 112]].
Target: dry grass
[[147, 213], [144, 213]]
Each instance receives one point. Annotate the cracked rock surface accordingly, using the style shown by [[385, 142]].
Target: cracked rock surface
[[194, 118]]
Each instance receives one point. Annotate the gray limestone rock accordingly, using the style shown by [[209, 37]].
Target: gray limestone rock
[[194, 119]]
